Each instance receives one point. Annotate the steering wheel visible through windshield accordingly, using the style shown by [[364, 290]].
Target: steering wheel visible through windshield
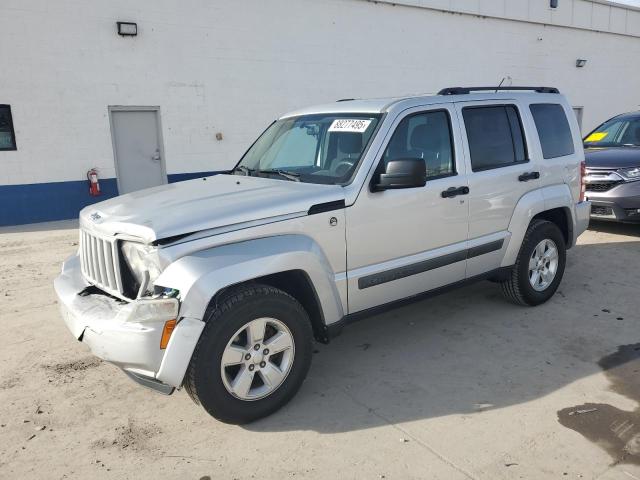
[[323, 148]]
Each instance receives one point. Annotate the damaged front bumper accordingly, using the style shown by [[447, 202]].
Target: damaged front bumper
[[128, 334]]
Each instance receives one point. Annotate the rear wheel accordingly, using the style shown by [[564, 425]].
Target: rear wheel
[[253, 354], [539, 267]]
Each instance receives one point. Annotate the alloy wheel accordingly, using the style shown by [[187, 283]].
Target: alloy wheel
[[257, 359], [543, 265]]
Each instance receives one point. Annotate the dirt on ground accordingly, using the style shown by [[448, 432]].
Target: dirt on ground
[[464, 385]]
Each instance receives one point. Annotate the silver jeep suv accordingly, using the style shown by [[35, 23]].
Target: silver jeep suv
[[220, 284]]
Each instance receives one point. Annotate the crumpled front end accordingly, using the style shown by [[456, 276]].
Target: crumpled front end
[[128, 334]]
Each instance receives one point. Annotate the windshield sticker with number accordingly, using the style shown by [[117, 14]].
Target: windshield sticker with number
[[596, 136], [349, 125]]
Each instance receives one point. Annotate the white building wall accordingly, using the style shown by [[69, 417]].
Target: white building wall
[[600, 15], [233, 66]]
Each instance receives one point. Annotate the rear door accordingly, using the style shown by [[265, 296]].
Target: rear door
[[501, 171]]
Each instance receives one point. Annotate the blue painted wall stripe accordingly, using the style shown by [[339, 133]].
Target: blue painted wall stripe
[[46, 202]]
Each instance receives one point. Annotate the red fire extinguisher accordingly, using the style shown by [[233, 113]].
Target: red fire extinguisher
[[94, 186]]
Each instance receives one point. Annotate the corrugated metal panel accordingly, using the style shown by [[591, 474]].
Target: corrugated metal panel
[[598, 15], [633, 23], [601, 15]]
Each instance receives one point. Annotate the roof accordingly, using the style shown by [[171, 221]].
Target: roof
[[384, 105]]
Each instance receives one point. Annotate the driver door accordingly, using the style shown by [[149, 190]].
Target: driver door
[[402, 242]]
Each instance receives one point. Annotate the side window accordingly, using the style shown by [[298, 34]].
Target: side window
[[553, 129], [428, 136], [7, 135], [495, 136]]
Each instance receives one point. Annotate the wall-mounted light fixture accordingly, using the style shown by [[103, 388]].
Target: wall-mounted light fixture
[[127, 29], [581, 62], [553, 3]]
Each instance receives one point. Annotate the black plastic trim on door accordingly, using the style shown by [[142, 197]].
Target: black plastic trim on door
[[426, 265]]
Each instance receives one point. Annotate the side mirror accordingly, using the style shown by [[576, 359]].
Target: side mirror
[[402, 173]]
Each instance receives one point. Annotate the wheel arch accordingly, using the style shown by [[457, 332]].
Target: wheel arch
[[561, 218], [293, 263], [553, 203], [296, 283]]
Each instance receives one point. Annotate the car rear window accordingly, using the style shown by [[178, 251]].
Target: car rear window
[[553, 129], [495, 136]]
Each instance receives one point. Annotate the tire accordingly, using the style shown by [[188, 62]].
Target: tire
[[221, 389], [519, 287]]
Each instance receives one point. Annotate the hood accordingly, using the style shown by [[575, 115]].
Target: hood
[[205, 203], [612, 157]]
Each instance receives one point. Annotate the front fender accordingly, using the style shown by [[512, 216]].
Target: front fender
[[530, 205], [201, 275]]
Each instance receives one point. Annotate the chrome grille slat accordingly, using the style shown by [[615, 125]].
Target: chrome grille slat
[[116, 265], [102, 270], [108, 264], [100, 262], [82, 251], [87, 254], [92, 273], [94, 260]]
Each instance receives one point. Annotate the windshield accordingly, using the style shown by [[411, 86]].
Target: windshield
[[621, 132], [311, 148]]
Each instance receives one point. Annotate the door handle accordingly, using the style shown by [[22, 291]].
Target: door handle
[[525, 177], [156, 156], [454, 192]]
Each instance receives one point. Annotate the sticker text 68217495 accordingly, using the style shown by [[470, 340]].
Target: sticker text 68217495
[[353, 125]]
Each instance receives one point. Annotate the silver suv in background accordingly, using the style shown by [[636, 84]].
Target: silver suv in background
[[612, 153], [220, 284]]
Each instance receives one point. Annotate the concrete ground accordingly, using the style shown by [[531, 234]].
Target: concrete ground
[[464, 385]]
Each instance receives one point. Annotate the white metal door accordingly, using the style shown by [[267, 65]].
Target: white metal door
[[137, 148], [404, 242]]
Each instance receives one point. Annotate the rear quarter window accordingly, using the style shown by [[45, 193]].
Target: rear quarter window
[[553, 129]]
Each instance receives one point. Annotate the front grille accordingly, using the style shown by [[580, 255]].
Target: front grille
[[600, 210], [601, 187], [100, 263]]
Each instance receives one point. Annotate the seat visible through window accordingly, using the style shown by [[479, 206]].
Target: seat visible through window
[[426, 136]]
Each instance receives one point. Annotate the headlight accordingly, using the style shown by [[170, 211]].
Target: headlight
[[143, 263], [630, 173]]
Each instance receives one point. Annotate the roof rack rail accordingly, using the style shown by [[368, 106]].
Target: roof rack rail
[[468, 90], [345, 100]]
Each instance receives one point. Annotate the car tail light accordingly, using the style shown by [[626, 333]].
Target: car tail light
[[583, 182]]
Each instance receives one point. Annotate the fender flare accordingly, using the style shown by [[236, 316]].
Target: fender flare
[[201, 275], [532, 204]]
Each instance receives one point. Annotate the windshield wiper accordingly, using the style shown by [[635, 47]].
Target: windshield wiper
[[293, 176], [244, 169]]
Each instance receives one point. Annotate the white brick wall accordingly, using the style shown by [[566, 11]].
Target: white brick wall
[[214, 65]]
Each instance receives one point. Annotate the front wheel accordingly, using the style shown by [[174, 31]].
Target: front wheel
[[252, 356], [539, 267]]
